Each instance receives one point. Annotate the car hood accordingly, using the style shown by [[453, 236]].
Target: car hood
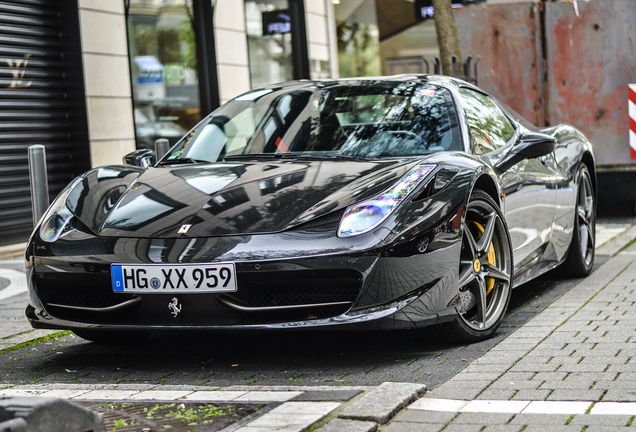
[[227, 198]]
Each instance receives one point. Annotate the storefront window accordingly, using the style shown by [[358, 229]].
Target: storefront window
[[269, 36], [164, 69], [358, 39]]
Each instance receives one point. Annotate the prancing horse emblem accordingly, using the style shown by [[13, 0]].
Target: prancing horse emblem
[[184, 229], [174, 307]]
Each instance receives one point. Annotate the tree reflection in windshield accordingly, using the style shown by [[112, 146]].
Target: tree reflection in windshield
[[360, 118]]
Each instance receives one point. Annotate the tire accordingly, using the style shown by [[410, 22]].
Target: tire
[[485, 273], [111, 336], [580, 258]]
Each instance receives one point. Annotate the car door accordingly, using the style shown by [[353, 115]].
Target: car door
[[529, 186]]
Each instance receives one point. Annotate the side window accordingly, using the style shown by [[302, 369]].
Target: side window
[[489, 127]]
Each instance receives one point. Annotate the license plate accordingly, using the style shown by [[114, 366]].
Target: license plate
[[169, 278]]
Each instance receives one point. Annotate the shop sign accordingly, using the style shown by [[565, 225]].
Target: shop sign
[[276, 22], [424, 8]]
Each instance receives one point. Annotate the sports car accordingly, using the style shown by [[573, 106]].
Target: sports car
[[366, 203]]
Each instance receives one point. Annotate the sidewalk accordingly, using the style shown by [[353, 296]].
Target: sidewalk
[[570, 368]]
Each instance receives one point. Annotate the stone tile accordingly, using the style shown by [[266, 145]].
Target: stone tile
[[414, 427], [210, 396], [605, 419], [531, 395], [265, 396], [540, 419], [339, 425], [419, 416], [542, 428], [95, 25], [462, 427], [303, 408], [555, 407], [322, 395], [499, 406], [435, 404], [160, 395], [383, 403], [278, 421], [495, 394], [576, 395], [106, 394], [626, 408], [620, 395], [483, 418]]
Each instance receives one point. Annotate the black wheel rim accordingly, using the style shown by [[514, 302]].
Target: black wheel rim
[[484, 282], [585, 215]]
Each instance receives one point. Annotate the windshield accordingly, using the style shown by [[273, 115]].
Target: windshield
[[369, 119]]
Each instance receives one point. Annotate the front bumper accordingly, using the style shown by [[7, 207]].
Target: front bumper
[[323, 283]]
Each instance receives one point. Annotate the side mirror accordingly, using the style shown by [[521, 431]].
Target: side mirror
[[141, 158], [530, 145]]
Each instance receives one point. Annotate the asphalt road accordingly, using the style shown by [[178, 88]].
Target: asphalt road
[[273, 358]]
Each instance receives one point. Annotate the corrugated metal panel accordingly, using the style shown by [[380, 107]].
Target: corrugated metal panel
[[591, 59], [34, 107], [508, 39]]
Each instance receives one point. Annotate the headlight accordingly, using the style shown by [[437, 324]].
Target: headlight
[[58, 217], [363, 217]]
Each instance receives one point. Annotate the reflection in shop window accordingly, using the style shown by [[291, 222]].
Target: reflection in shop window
[[358, 39], [268, 27], [163, 64]]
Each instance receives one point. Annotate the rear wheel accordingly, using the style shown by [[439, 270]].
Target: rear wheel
[[580, 257], [110, 336], [485, 273]]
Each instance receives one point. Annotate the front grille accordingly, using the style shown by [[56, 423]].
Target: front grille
[[87, 296], [262, 297], [283, 296]]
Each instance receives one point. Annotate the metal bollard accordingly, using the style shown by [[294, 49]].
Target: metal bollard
[[162, 146], [39, 181]]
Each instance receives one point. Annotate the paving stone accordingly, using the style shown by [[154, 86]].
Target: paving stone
[[531, 395], [383, 403], [435, 404], [554, 407], [605, 419], [542, 428], [515, 385], [502, 428], [576, 395], [567, 384], [419, 416], [334, 395], [499, 406], [455, 393], [415, 427], [540, 419], [600, 428], [620, 395], [482, 418], [494, 394], [340, 425]]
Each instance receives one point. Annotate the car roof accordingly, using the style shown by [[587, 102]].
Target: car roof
[[442, 80]]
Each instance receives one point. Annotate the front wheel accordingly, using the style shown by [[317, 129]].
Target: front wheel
[[580, 257], [485, 273]]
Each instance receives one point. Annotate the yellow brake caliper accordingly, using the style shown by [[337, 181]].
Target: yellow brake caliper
[[491, 258]]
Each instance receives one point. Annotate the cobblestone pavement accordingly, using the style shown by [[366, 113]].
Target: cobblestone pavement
[[574, 357]]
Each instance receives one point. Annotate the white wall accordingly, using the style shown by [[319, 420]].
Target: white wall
[[107, 80]]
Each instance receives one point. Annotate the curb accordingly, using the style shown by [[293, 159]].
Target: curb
[[12, 251]]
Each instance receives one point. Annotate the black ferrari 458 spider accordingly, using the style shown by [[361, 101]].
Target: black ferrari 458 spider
[[376, 203]]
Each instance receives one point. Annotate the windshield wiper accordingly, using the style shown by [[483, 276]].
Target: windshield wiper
[[254, 156], [331, 156], [182, 160]]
